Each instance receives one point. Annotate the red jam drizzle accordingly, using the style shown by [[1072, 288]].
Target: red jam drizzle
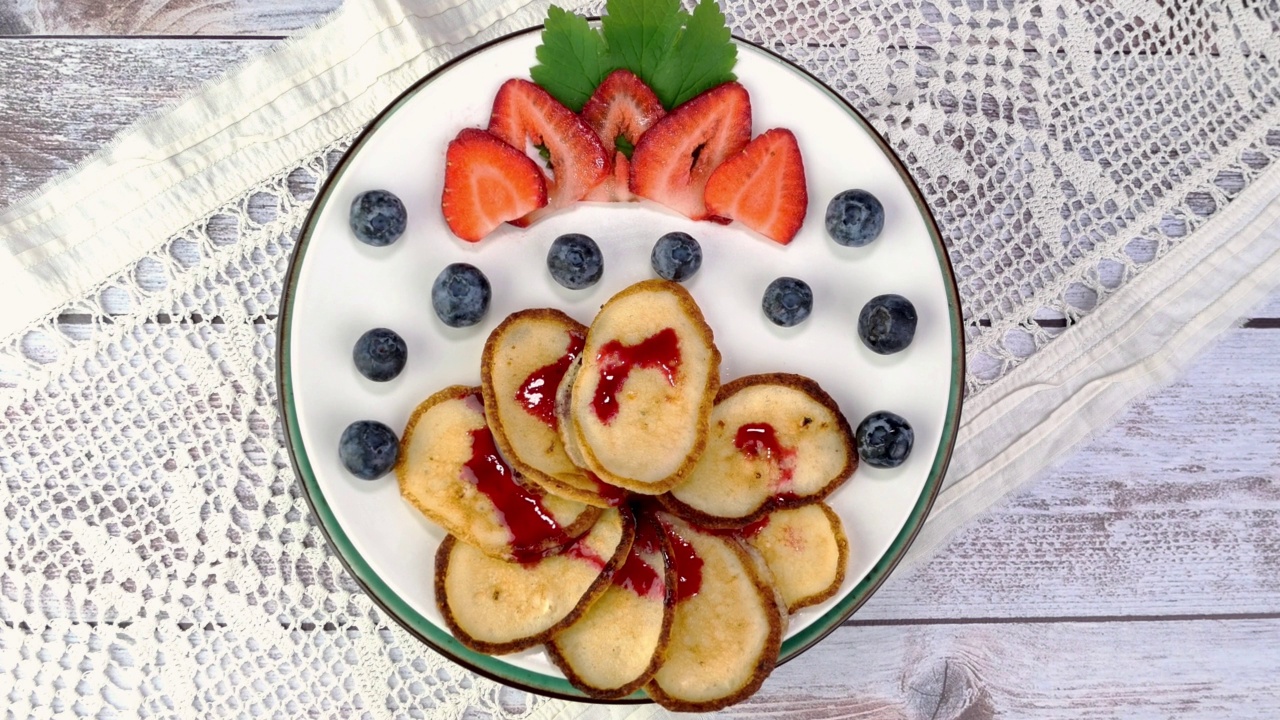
[[537, 394], [751, 530], [532, 526], [660, 350], [637, 575], [687, 564], [760, 441], [583, 552], [611, 494]]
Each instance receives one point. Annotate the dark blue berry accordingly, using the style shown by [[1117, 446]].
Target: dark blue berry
[[676, 256], [887, 323], [787, 301], [884, 439], [854, 218], [460, 295], [575, 261], [368, 449], [378, 217], [380, 354]]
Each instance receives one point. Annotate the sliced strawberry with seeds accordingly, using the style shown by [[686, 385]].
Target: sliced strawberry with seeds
[[674, 159], [523, 115], [486, 183], [616, 186], [621, 107], [762, 187]]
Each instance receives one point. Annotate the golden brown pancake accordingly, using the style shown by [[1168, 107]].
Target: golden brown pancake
[[806, 551], [524, 360], [775, 441], [449, 468], [640, 402], [725, 636], [617, 645], [496, 606]]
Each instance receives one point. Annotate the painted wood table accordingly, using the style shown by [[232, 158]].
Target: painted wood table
[[1140, 579]]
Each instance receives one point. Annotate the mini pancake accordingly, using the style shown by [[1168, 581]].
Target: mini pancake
[[450, 469], [806, 551], [524, 361], [775, 441], [496, 606], [640, 402], [617, 645], [728, 622], [612, 495]]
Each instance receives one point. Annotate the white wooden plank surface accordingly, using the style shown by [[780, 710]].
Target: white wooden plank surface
[[161, 17], [1172, 512], [1052, 671], [1268, 309], [60, 100]]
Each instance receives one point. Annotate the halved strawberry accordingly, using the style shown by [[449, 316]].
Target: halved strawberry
[[675, 157], [616, 186], [523, 115], [621, 107], [486, 183], [762, 187]]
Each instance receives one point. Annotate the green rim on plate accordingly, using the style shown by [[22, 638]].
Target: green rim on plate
[[494, 667]]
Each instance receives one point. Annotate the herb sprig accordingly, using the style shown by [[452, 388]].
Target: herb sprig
[[678, 54]]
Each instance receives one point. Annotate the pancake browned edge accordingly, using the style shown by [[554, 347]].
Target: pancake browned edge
[[776, 502], [694, 314], [771, 603], [571, 482], [573, 530], [789, 562], [664, 634], [597, 587]]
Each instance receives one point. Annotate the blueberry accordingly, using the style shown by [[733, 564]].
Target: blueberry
[[380, 354], [676, 256], [460, 295], [787, 301], [575, 261], [368, 449], [378, 218], [887, 323], [854, 218], [884, 439]]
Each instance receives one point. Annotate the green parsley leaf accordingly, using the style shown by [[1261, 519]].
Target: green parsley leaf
[[678, 54], [641, 33], [702, 57], [572, 59]]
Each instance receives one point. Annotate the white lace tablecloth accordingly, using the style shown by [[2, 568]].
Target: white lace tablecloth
[[1104, 175]]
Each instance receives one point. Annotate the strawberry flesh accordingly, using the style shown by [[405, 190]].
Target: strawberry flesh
[[674, 159], [622, 106], [486, 183], [762, 187], [525, 114], [616, 187]]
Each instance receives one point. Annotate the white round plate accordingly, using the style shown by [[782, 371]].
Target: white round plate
[[338, 288]]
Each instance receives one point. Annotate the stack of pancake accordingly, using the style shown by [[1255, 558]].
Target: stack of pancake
[[606, 497]]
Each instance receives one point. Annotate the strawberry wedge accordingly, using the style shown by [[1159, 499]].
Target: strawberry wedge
[[486, 183], [762, 187], [525, 115], [621, 107], [674, 159]]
